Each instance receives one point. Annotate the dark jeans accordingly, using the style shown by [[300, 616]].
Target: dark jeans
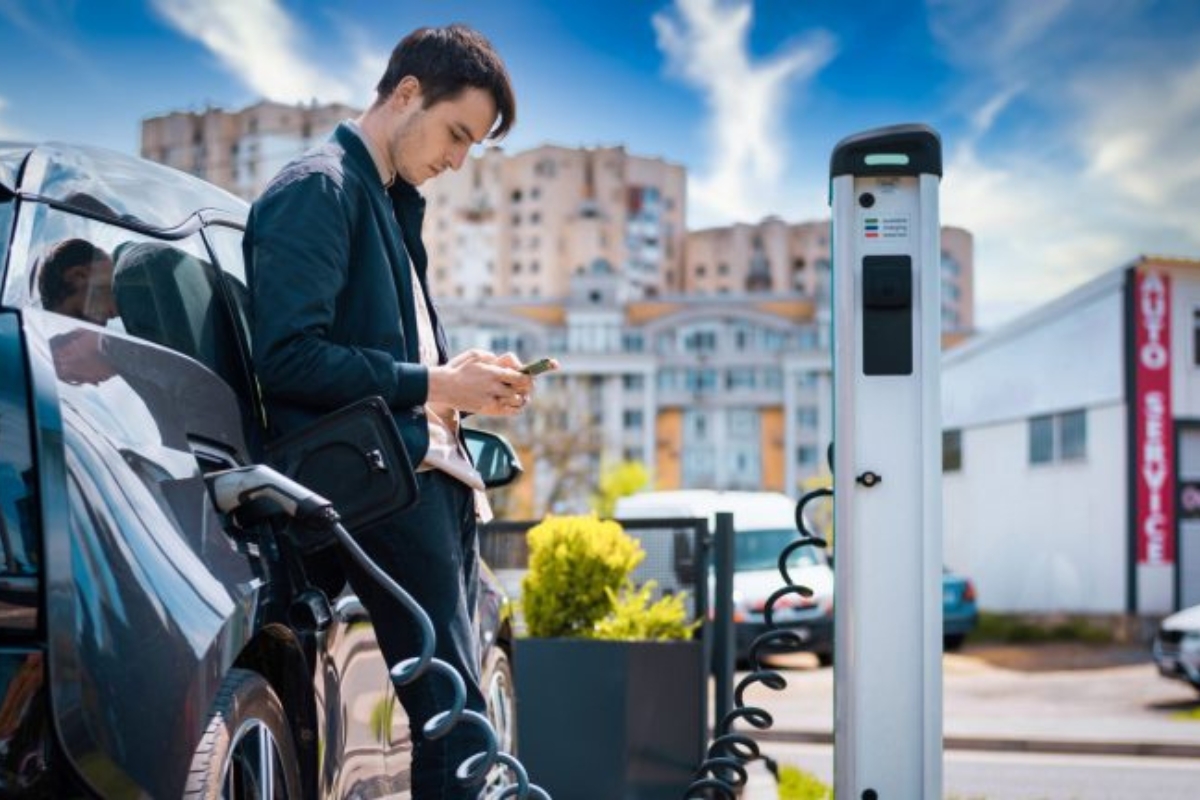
[[431, 550]]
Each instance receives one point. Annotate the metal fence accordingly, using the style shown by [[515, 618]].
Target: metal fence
[[678, 554]]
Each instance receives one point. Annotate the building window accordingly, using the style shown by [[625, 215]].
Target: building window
[[1041, 440], [806, 455], [633, 382], [632, 420], [700, 341], [952, 451], [1058, 437], [741, 378], [806, 417], [1072, 435]]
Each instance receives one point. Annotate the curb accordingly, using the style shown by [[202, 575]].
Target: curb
[[1012, 745]]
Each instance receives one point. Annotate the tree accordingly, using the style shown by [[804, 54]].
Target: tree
[[618, 480], [559, 441]]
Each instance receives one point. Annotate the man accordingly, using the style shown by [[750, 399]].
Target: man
[[341, 311], [75, 278]]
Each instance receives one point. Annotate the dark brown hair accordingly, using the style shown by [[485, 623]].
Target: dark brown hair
[[446, 61], [54, 285]]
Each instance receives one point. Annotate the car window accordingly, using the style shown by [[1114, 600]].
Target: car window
[[161, 291], [150, 193], [760, 548], [226, 245], [6, 220]]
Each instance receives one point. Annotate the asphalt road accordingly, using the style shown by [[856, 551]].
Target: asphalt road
[[1017, 776], [1059, 698], [1060, 722]]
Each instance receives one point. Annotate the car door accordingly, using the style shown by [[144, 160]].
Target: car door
[[147, 597]]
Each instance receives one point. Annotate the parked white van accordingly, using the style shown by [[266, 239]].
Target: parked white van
[[764, 523]]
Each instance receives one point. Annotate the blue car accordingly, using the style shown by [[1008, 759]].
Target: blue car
[[959, 613]]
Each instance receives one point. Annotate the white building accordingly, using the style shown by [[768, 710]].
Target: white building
[[1072, 449]]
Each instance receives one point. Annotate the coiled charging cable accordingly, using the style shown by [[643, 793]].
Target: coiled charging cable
[[723, 772], [262, 492]]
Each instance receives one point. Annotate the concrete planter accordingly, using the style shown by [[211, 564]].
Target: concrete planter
[[610, 720]]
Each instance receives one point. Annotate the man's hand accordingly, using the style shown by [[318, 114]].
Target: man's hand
[[79, 358], [481, 383]]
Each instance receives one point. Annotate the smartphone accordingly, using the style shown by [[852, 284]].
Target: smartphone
[[538, 367]]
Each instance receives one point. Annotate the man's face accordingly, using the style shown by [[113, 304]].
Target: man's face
[[91, 296], [426, 141]]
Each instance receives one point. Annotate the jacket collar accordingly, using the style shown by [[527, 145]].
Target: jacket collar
[[356, 150]]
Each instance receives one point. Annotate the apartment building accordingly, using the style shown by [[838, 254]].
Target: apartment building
[[729, 391], [522, 225], [774, 256], [239, 150]]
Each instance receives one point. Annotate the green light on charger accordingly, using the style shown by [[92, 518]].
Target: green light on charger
[[886, 160]]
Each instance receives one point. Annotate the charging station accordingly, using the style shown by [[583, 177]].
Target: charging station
[[887, 464]]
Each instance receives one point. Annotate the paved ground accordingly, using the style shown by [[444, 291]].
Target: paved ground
[[1048, 698]]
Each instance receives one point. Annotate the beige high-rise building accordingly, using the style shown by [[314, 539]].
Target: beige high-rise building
[[521, 225], [774, 256], [239, 150]]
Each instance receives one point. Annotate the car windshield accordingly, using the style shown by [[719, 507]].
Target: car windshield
[[759, 549]]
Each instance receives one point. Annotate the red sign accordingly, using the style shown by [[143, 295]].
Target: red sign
[[1155, 456]]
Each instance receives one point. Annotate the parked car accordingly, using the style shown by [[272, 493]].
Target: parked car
[[1177, 646], [764, 522], [147, 648], [959, 612]]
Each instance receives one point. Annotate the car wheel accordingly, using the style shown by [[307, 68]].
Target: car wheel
[[247, 749], [497, 685], [825, 659], [952, 642]]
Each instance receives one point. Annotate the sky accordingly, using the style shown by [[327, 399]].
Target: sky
[[1070, 128]]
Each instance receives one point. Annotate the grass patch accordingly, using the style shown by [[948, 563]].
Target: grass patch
[[796, 784], [1192, 714], [1019, 629]]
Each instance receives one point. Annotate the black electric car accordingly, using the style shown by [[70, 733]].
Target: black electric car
[[148, 648]]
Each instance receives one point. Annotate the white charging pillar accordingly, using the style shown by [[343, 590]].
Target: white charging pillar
[[887, 465]]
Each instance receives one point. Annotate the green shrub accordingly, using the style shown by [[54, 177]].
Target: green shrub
[[634, 618], [578, 585], [1018, 629], [574, 565], [796, 784]]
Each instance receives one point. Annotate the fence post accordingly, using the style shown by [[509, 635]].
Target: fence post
[[723, 641]]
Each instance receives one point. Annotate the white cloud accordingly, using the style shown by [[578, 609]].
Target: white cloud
[[705, 42], [1112, 171], [262, 46]]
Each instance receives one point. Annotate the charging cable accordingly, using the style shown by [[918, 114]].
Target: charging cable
[[723, 772], [252, 494]]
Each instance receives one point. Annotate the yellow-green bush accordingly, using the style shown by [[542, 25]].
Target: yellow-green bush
[[796, 784], [578, 585], [634, 617]]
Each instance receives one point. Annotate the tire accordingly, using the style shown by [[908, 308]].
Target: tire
[[825, 659], [500, 694], [952, 642], [245, 715]]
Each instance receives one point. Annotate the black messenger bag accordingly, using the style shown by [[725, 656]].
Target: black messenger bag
[[353, 457]]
